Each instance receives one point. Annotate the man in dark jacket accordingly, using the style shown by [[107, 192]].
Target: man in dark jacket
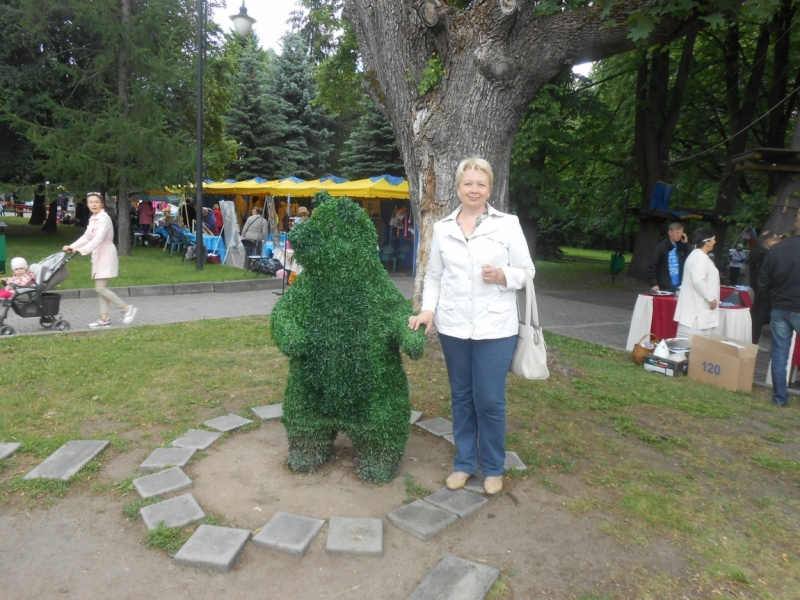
[[666, 267], [779, 280], [761, 309]]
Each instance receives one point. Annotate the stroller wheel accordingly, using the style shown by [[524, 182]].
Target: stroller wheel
[[46, 321], [6, 330], [61, 326]]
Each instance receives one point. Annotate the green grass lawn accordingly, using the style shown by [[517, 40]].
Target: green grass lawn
[[145, 266], [653, 460], [586, 254]]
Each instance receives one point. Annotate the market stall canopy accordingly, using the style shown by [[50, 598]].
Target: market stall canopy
[[382, 186], [307, 189]]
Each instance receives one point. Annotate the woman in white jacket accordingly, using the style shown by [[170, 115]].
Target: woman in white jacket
[[479, 259], [697, 312]]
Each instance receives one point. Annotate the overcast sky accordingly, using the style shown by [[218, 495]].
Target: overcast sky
[[270, 16]]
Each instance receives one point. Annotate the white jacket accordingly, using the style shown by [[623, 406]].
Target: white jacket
[[699, 287], [463, 305]]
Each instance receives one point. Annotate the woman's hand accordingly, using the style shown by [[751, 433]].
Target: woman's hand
[[713, 304], [66, 249], [423, 318], [493, 275]]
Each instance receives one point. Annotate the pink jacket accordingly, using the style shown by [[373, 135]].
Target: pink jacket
[[99, 240], [146, 212]]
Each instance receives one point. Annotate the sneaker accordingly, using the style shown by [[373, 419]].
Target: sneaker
[[129, 315], [100, 324]]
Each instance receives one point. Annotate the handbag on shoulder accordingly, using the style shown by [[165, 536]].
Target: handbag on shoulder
[[530, 356]]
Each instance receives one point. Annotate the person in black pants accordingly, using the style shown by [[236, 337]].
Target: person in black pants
[[760, 311]]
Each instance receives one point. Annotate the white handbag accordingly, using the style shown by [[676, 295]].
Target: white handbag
[[530, 356]]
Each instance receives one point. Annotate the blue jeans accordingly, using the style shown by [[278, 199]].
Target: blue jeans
[[477, 370], [782, 323]]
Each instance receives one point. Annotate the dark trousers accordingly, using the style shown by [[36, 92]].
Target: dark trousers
[[734, 273], [760, 315]]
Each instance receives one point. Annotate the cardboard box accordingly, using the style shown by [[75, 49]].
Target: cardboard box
[[723, 362], [666, 366]]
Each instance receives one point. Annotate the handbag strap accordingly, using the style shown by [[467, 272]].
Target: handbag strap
[[531, 308]]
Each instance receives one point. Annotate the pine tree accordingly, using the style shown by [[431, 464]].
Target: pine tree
[[372, 147], [308, 139], [257, 122]]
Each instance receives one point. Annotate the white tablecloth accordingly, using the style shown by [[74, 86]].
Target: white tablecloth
[[734, 323]]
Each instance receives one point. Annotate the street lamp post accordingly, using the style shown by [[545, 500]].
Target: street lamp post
[[242, 23]]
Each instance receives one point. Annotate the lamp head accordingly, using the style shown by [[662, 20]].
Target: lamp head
[[242, 22]]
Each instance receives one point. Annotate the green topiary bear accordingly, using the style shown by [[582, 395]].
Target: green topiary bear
[[342, 325]]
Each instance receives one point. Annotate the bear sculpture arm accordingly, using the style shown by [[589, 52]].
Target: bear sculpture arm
[[412, 342], [287, 321]]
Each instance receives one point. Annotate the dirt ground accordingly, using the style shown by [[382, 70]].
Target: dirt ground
[[83, 547]]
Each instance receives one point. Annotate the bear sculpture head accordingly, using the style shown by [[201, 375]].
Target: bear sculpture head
[[337, 240]]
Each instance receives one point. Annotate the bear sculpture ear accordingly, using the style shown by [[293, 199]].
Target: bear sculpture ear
[[321, 197], [348, 211]]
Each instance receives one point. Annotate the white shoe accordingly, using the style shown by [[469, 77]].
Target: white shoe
[[129, 315], [100, 324]]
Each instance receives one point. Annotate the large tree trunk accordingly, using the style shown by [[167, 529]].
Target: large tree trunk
[[39, 209], [123, 201], [51, 224], [786, 206], [656, 118], [740, 117], [495, 59]]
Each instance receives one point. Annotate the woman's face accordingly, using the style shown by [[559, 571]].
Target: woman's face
[[95, 204], [473, 190]]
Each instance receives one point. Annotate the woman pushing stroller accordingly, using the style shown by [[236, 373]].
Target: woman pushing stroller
[[99, 241]]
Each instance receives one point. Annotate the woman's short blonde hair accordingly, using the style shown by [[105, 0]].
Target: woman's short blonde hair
[[475, 163]]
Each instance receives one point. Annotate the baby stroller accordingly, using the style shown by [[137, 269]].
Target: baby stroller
[[38, 301]]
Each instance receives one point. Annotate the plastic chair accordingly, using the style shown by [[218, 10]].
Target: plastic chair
[[400, 255], [387, 256], [175, 241], [186, 243]]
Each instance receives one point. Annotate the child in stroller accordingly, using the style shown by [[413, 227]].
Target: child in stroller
[[23, 277], [35, 299]]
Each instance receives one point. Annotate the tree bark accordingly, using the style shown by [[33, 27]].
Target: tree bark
[[51, 224], [656, 117], [496, 57], [787, 196], [740, 116], [123, 201], [38, 211]]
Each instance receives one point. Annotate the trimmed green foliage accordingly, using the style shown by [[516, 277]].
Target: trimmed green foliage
[[343, 324]]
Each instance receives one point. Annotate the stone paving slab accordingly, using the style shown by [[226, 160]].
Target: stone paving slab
[[459, 502], [415, 416], [513, 461], [161, 458], [197, 439], [449, 438], [421, 519], [456, 579], [212, 547], [227, 423], [475, 483], [68, 460], [437, 426], [288, 533], [8, 449], [269, 412], [353, 535], [175, 512], [161, 483]]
